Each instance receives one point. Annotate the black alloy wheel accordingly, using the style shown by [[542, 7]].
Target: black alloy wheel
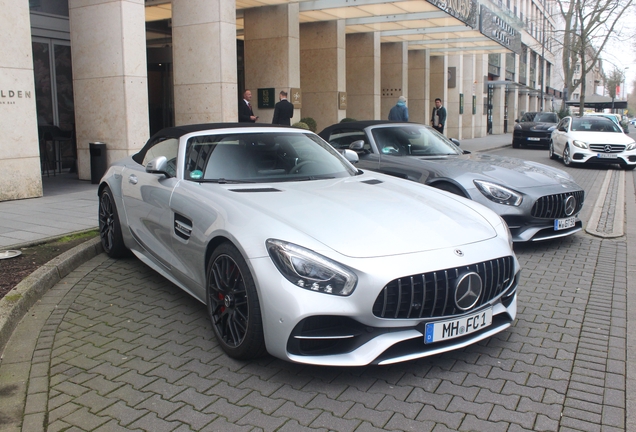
[[233, 304], [109, 226]]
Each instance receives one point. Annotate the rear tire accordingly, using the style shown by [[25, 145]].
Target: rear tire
[[110, 227], [233, 305]]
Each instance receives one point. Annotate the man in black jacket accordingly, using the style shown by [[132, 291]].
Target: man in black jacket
[[245, 113], [438, 119], [283, 110]]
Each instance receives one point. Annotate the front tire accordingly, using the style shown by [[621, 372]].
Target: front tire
[[109, 226], [567, 158], [233, 305], [448, 187]]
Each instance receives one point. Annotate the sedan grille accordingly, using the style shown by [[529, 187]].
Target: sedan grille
[[554, 206], [602, 148], [432, 295]]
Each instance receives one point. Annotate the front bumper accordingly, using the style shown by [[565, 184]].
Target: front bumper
[[586, 157], [315, 328]]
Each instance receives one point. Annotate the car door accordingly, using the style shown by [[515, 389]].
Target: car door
[[146, 198], [395, 155], [559, 136], [341, 139]]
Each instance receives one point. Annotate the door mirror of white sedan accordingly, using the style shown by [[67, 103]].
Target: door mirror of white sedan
[[351, 156], [158, 165], [455, 141]]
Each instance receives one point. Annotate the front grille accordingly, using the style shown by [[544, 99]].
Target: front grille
[[431, 295], [616, 148], [553, 206]]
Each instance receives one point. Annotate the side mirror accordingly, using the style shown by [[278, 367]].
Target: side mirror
[[357, 145], [455, 141], [351, 156], [158, 165], [516, 120]]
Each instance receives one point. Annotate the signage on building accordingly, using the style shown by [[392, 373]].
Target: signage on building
[[498, 29], [342, 100], [266, 98], [9, 97], [296, 97], [463, 10]]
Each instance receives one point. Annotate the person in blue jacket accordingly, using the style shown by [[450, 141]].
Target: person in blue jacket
[[400, 111]]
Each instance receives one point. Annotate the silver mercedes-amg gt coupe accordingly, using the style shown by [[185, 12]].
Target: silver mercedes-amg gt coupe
[[299, 254], [537, 202]]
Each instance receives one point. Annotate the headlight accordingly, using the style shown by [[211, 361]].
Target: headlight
[[630, 146], [498, 193], [580, 144], [518, 126], [309, 270]]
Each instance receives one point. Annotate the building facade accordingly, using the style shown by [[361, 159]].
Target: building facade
[[66, 81]]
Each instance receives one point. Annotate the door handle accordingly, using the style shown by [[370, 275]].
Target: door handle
[[132, 179]]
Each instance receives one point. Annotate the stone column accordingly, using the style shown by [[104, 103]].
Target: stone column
[[109, 78], [470, 88], [20, 175], [363, 76], [419, 100], [453, 127], [439, 83], [498, 102], [204, 61], [395, 75], [272, 56], [481, 93], [523, 103], [323, 71]]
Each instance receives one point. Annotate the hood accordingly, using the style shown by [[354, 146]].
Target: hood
[[368, 216], [512, 172], [601, 137], [536, 126]]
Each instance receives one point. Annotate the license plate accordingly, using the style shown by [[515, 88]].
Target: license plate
[[534, 139], [450, 329], [607, 156], [560, 224]]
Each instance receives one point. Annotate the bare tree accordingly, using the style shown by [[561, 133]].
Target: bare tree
[[612, 81], [589, 26]]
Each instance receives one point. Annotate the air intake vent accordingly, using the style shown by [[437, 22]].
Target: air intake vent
[[373, 181], [256, 190]]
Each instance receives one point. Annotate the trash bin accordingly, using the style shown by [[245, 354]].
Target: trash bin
[[98, 161]]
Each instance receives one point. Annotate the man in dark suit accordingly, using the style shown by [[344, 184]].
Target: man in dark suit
[[283, 111], [245, 113]]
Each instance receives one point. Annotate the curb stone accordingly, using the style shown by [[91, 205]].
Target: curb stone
[[19, 300]]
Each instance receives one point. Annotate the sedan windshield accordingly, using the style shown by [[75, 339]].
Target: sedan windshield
[[594, 124], [262, 157], [413, 141]]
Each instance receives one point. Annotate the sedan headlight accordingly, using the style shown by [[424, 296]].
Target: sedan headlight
[[580, 144], [309, 270], [498, 193], [631, 146]]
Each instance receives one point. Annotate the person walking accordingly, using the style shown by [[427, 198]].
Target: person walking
[[283, 110], [245, 113], [438, 119], [400, 111]]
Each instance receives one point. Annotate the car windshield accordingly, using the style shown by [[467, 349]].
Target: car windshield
[[594, 124], [540, 117], [262, 157], [413, 141]]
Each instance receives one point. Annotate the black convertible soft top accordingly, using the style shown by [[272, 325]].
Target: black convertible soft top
[[178, 131]]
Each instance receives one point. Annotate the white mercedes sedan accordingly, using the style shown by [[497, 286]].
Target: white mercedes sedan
[[592, 140], [297, 253]]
